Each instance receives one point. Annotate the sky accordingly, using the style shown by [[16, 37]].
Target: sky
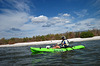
[[28, 18]]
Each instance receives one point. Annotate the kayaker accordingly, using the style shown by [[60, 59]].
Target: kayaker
[[64, 43]]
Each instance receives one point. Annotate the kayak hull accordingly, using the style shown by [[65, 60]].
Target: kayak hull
[[33, 49]]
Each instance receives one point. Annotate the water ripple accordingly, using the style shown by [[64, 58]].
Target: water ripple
[[22, 56]]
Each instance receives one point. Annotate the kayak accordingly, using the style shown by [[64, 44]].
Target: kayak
[[33, 49]]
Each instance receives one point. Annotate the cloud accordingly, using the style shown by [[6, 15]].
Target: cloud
[[40, 18], [57, 20], [86, 24], [46, 25], [96, 14], [31, 29], [66, 14], [15, 16], [81, 13], [94, 9], [29, 26], [22, 6], [96, 4], [12, 20], [60, 19], [48, 22], [18, 5], [15, 29]]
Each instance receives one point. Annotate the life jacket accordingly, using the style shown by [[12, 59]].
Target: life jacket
[[65, 42]]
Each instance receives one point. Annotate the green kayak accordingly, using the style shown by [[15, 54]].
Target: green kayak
[[33, 49]]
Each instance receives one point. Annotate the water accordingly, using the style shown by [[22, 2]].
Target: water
[[22, 56]]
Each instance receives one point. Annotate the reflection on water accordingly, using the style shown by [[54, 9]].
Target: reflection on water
[[22, 56]]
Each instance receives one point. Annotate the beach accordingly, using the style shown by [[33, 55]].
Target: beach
[[50, 42]]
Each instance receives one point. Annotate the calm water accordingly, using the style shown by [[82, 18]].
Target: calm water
[[22, 56]]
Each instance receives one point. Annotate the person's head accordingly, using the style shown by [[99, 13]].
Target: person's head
[[63, 37]]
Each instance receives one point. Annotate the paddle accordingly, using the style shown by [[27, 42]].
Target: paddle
[[70, 42]]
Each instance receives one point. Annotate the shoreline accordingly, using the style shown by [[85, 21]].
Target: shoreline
[[50, 42]]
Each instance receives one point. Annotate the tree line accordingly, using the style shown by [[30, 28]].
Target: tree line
[[82, 34]]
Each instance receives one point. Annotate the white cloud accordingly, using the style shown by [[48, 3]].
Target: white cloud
[[55, 18], [13, 20], [48, 22], [66, 14], [67, 21], [81, 13], [14, 14], [85, 24], [40, 18], [22, 6], [18, 19], [60, 19], [26, 27], [19, 5]]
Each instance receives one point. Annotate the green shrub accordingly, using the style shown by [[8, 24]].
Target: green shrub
[[86, 34]]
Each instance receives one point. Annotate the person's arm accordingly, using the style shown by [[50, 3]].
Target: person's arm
[[66, 42], [61, 42]]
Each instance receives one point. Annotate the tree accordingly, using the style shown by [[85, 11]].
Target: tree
[[3, 41], [57, 37], [11, 41], [77, 34], [86, 34], [43, 38]]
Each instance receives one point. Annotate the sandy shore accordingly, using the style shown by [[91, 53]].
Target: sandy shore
[[50, 42]]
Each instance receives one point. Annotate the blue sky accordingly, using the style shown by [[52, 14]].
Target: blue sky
[[27, 18]]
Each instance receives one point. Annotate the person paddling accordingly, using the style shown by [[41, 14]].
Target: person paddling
[[64, 43]]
